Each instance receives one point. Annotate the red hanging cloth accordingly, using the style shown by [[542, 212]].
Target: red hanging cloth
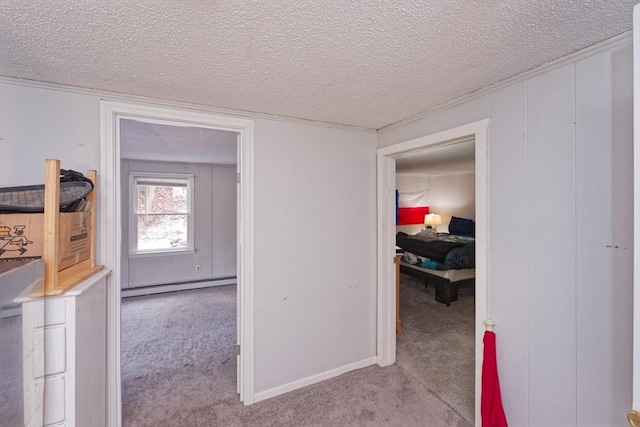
[[411, 216], [491, 408]]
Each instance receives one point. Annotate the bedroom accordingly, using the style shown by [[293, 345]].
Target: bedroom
[[207, 158], [437, 340]]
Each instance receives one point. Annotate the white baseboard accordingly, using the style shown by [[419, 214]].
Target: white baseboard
[[285, 388], [158, 289]]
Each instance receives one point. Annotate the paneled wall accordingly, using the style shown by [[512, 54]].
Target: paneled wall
[[560, 236], [214, 232]]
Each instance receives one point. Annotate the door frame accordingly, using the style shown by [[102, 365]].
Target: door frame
[[636, 209], [386, 313], [110, 221]]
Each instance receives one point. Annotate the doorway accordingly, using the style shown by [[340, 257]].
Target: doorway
[[437, 339], [178, 270], [111, 232], [636, 217], [179, 193], [386, 159]]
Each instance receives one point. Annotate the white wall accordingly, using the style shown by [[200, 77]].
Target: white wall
[[559, 233], [451, 194], [560, 236], [314, 192], [315, 199], [214, 228], [37, 123]]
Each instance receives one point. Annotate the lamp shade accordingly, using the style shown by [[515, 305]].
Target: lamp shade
[[432, 219]]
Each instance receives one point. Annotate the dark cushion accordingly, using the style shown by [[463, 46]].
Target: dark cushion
[[462, 227]]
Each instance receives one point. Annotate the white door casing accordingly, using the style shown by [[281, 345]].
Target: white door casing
[[111, 237], [386, 320], [636, 208], [238, 269]]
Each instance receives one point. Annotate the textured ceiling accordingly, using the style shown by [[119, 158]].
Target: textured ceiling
[[361, 63]]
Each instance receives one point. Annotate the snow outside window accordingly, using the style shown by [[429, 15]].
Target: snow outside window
[[162, 213]]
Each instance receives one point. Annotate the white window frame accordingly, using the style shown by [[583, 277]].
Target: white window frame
[[133, 216]]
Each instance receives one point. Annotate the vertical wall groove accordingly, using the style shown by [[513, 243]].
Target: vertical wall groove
[[526, 246], [575, 237]]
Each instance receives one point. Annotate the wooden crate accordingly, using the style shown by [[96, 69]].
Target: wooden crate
[[57, 280]]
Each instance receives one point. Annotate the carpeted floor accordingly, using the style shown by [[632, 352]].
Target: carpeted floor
[[178, 354], [179, 368], [437, 346]]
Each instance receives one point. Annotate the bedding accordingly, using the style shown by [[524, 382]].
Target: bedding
[[446, 260], [438, 252]]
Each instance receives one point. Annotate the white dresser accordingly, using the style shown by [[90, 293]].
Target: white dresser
[[64, 349]]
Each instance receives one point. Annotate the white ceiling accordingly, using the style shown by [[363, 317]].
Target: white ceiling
[[360, 63], [173, 143], [444, 160]]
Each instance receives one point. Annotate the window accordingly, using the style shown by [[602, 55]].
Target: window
[[162, 213]]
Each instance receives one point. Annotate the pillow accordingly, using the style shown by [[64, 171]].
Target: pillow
[[462, 227]]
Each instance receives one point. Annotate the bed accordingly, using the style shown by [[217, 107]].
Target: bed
[[445, 260]]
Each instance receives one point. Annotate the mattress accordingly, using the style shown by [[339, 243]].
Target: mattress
[[451, 275]]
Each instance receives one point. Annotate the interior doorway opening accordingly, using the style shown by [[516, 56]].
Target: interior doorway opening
[[179, 207], [436, 284], [179, 242], [386, 159], [111, 238]]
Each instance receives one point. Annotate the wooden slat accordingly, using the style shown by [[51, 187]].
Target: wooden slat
[[67, 279], [51, 223], [91, 198], [58, 281], [70, 277]]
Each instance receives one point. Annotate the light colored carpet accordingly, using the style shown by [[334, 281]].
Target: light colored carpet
[[179, 369], [178, 354], [437, 346]]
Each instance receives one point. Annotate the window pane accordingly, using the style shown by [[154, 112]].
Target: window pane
[[156, 232], [162, 198], [162, 213]]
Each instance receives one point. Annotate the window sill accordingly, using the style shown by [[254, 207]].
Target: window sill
[[162, 253]]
